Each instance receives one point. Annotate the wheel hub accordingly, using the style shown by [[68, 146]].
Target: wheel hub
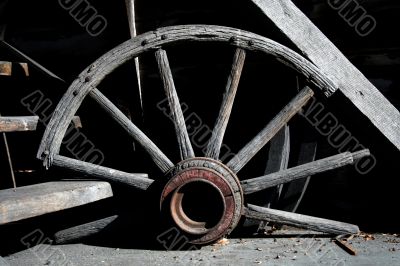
[[203, 198]]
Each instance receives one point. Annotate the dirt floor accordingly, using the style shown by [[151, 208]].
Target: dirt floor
[[284, 247]]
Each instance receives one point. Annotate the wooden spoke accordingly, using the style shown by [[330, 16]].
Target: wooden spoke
[[256, 184], [255, 145], [185, 146], [278, 160], [155, 153], [140, 181], [294, 191], [299, 220], [214, 145]]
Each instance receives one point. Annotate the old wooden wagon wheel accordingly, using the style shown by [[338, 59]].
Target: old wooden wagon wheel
[[202, 175]]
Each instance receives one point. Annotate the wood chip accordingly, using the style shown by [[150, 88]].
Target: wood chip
[[346, 247], [368, 237], [222, 242]]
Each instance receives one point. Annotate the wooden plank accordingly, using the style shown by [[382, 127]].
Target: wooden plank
[[140, 181], [280, 120], [18, 123], [31, 201], [10, 163], [259, 183], [185, 147], [326, 56], [300, 220], [5, 68], [82, 231], [214, 145]]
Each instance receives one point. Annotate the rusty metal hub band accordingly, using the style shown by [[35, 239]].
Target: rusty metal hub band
[[203, 198]]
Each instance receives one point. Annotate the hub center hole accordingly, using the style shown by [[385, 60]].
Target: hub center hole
[[198, 206]]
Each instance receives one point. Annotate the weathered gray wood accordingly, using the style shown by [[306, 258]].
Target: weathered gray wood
[[278, 160], [360, 154], [36, 200], [140, 181], [18, 123], [10, 164], [326, 56], [155, 153], [259, 183], [295, 190], [185, 147], [215, 142], [81, 231], [96, 72], [299, 220], [256, 144], [3, 262]]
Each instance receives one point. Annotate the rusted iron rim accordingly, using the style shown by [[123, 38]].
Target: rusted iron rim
[[219, 177], [181, 218]]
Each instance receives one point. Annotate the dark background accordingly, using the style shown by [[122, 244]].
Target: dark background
[[47, 33]]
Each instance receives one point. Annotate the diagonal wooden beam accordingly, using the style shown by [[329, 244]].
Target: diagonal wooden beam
[[328, 58]]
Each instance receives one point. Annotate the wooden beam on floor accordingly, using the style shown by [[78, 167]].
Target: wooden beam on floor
[[31, 201]]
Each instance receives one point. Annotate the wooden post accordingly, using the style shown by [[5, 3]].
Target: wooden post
[[327, 57]]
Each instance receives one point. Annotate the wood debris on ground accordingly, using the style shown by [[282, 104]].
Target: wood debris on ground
[[222, 242], [345, 246], [367, 237]]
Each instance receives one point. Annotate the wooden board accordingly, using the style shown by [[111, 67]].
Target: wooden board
[[82, 231], [36, 200], [328, 58], [18, 123], [5, 68]]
